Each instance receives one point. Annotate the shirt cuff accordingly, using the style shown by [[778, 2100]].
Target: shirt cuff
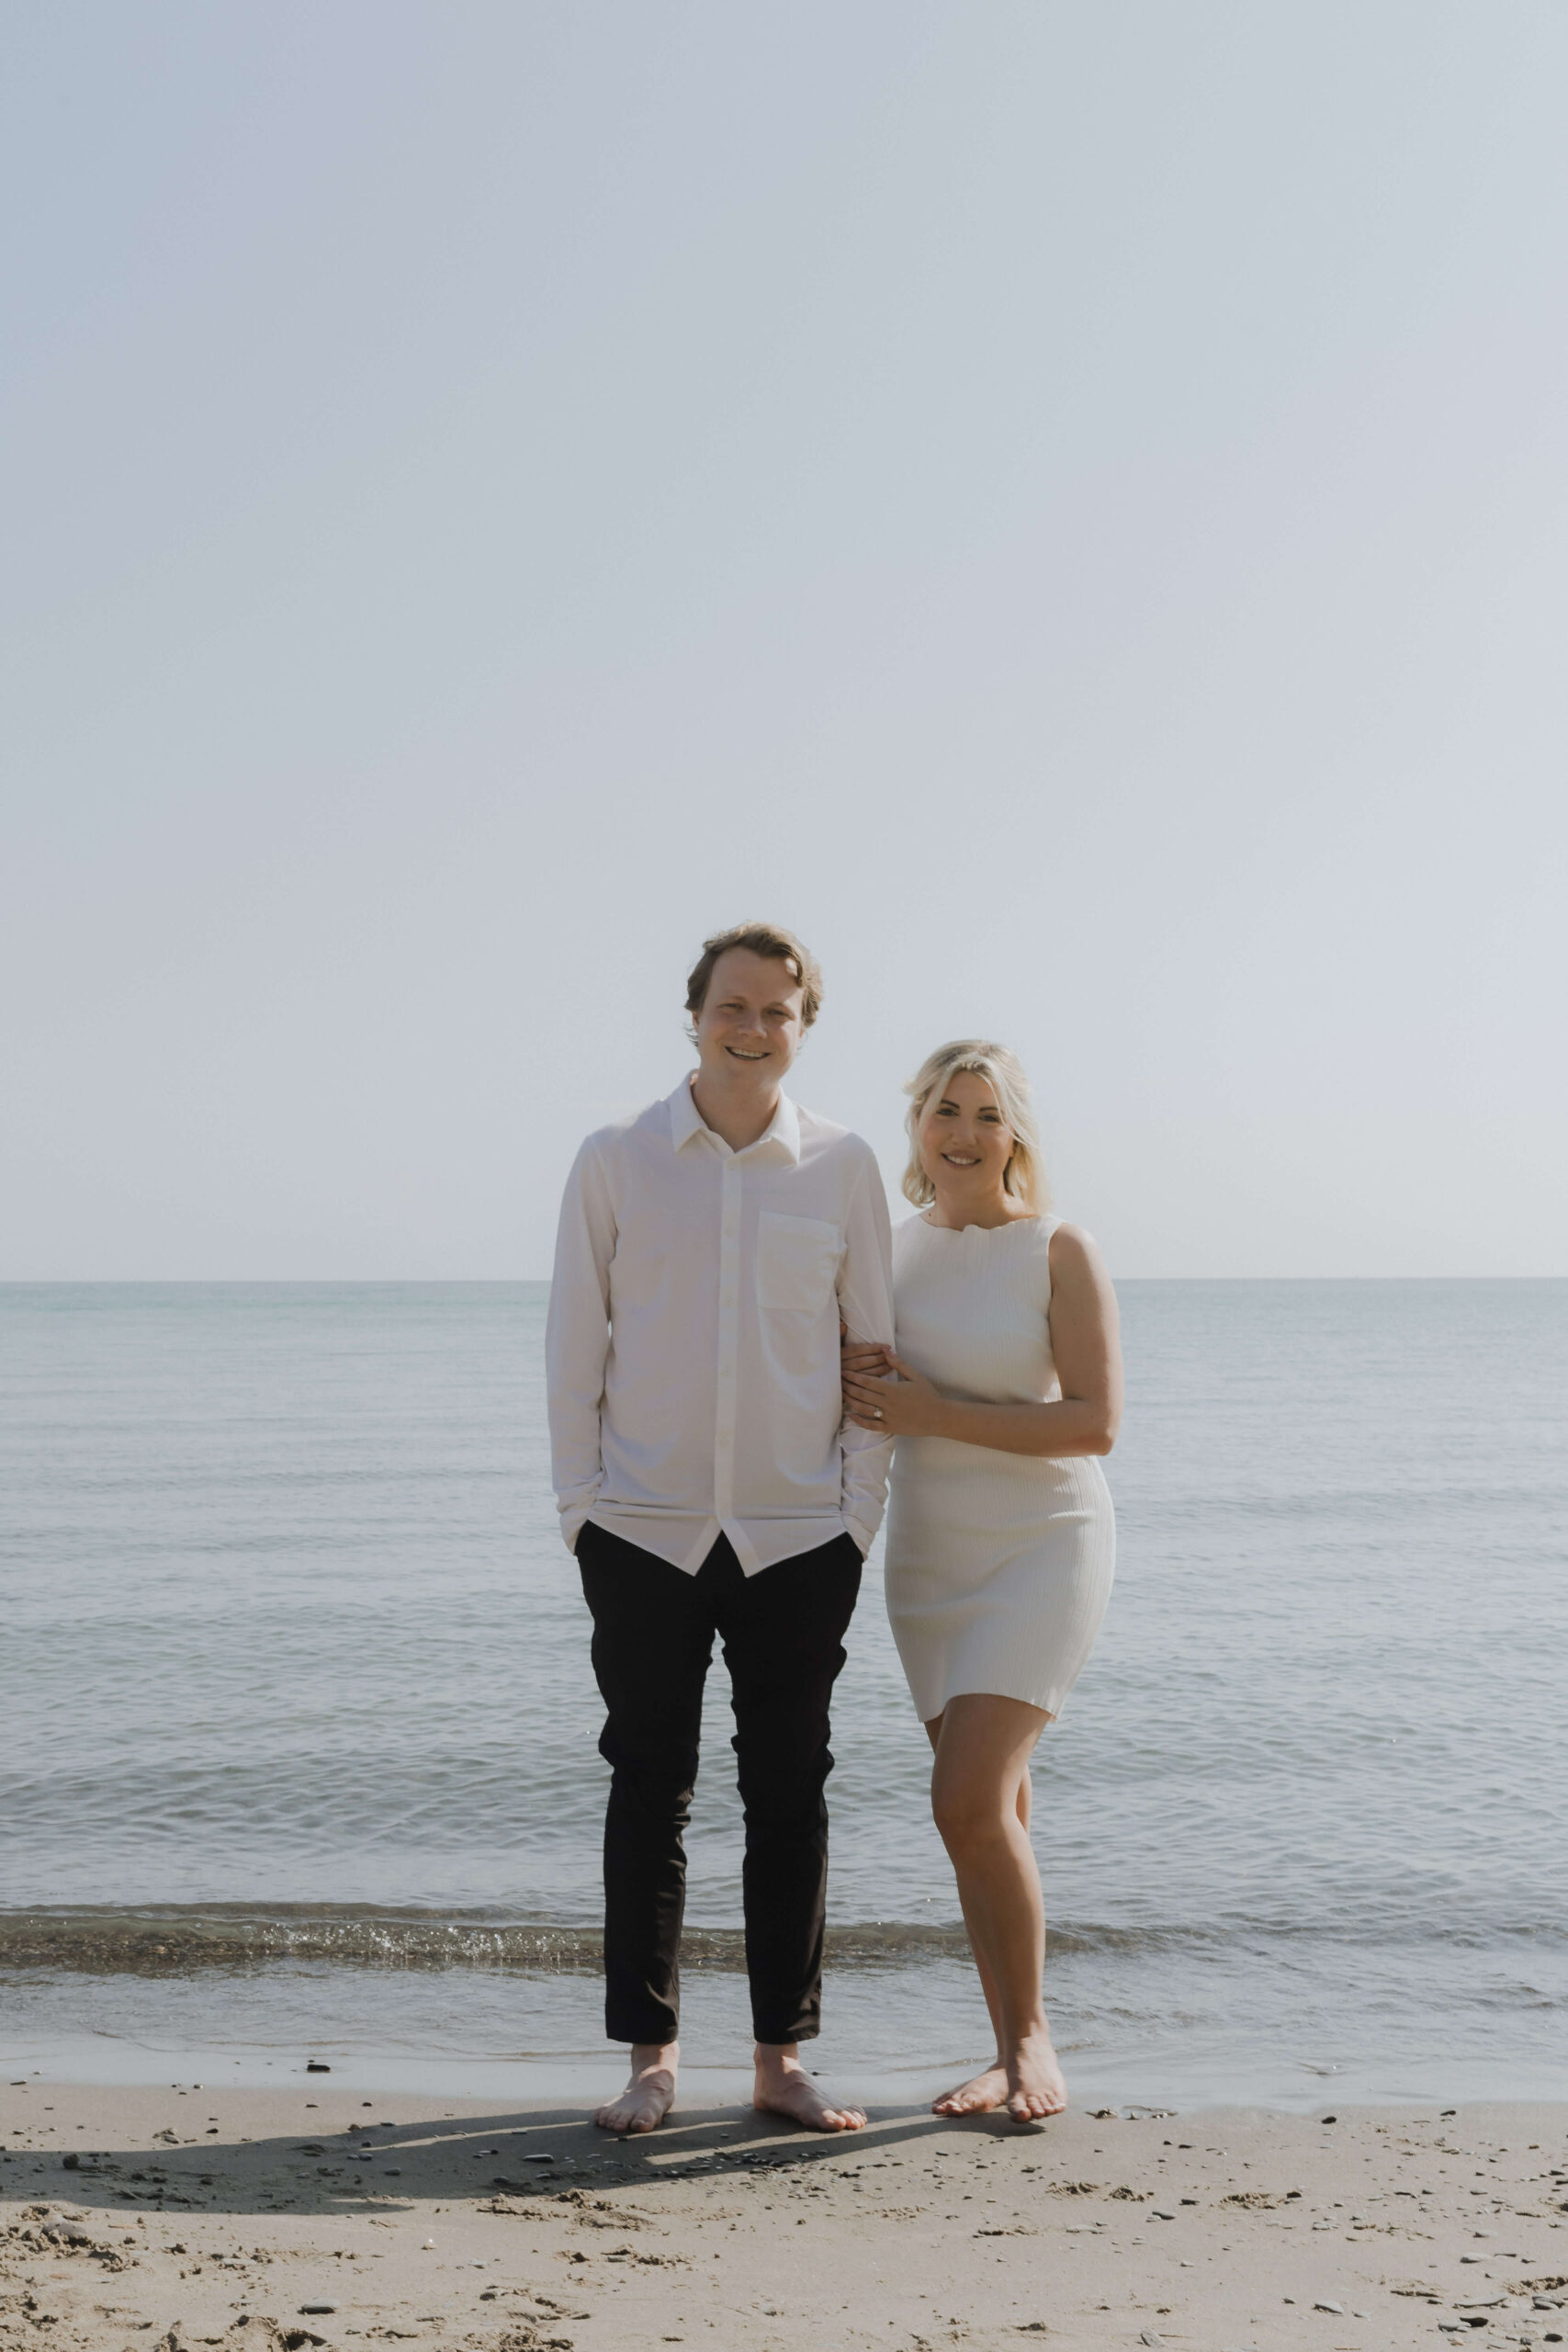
[[863, 1536], [572, 1522]]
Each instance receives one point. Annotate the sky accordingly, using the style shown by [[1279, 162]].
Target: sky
[[1062, 506]]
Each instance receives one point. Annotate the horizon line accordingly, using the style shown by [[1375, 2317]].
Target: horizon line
[[542, 1281]]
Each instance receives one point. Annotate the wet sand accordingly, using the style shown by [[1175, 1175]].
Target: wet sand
[[131, 2217]]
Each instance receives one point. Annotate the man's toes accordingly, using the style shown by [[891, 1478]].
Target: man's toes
[[624, 2116]]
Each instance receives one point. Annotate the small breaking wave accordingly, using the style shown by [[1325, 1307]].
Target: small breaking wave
[[178, 1940]]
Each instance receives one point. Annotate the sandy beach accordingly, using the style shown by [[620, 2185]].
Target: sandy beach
[[307, 2217]]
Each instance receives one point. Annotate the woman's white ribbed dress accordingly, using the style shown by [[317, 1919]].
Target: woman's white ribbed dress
[[999, 1565]]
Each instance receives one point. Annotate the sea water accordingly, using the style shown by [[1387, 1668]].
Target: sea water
[[299, 1729]]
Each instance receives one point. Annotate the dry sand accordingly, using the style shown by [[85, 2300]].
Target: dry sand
[[148, 2219]]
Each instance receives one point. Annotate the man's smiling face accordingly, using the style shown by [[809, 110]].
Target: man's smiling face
[[750, 1026]]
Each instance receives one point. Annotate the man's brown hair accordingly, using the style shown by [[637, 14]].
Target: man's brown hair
[[762, 939]]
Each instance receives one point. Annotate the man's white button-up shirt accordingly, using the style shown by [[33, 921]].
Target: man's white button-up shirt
[[693, 1341]]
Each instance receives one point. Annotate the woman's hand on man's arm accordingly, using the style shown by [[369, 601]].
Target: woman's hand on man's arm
[[882, 1393]]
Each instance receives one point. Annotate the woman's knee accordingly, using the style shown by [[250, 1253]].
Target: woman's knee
[[971, 1813]]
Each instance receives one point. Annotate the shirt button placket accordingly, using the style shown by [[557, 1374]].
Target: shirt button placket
[[728, 1343]]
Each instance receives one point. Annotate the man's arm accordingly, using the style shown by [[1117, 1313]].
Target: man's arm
[[577, 1339], [865, 1305]]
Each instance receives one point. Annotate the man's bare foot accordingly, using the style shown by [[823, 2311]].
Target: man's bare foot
[[978, 2096], [650, 2093], [1035, 2081], [784, 2087]]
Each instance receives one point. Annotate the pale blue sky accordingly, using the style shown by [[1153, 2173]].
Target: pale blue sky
[[1064, 505]]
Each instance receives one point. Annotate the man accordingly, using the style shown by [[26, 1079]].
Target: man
[[708, 1248]]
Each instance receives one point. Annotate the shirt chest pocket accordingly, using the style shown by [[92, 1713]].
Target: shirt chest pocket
[[797, 1261]]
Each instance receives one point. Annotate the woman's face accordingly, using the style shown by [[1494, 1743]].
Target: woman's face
[[964, 1142]]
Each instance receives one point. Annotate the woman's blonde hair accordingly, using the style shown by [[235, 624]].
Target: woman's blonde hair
[[1003, 1073]]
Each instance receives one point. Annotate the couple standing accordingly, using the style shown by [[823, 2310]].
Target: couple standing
[[725, 1398]]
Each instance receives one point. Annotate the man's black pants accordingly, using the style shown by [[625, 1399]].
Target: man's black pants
[[653, 1633]]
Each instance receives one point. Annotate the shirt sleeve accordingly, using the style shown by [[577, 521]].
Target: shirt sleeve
[[865, 1303], [577, 1339]]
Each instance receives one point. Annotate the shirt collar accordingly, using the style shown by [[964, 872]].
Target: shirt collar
[[780, 1139]]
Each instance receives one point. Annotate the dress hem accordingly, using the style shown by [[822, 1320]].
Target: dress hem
[[1024, 1698]]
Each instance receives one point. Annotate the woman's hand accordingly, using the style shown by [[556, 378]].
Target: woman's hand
[[882, 1395]]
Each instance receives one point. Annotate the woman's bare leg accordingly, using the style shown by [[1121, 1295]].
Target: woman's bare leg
[[980, 1798], [989, 2088]]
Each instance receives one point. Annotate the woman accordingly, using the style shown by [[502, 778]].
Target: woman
[[1006, 1384]]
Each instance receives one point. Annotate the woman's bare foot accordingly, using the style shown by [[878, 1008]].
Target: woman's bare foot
[[784, 2087], [1035, 2081], [650, 2093], [978, 2096]]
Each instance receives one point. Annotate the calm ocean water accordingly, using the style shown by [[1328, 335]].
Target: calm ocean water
[[299, 1730]]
